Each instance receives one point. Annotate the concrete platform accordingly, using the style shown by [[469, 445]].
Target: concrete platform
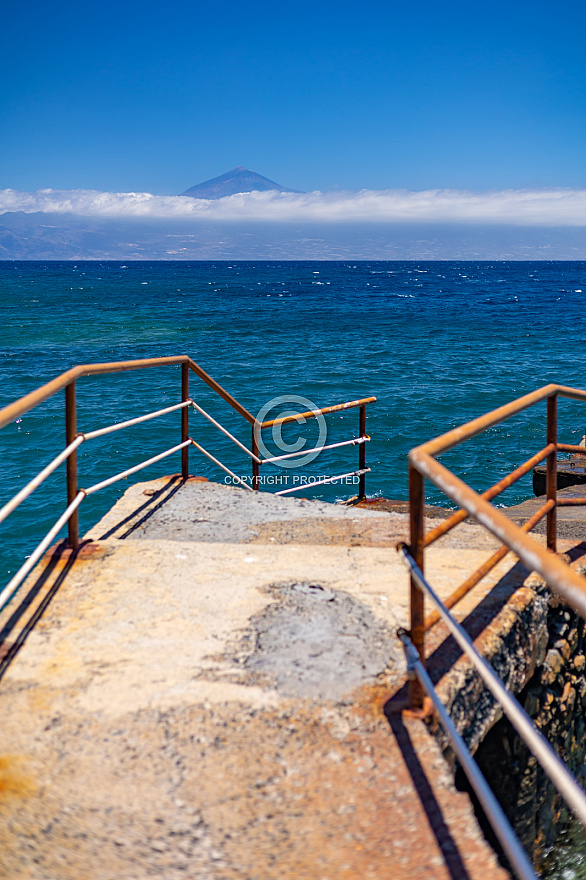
[[571, 521], [201, 694]]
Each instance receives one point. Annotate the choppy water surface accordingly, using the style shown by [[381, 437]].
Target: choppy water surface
[[436, 343]]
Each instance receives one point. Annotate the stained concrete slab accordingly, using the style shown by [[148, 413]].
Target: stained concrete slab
[[571, 521], [182, 707], [210, 512], [203, 511]]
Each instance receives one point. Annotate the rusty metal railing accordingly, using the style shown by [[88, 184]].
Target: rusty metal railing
[[74, 439], [492, 809], [538, 745], [562, 579]]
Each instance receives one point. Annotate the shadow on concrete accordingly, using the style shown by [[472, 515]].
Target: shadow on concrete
[[577, 552], [155, 502], [443, 651], [11, 637], [448, 846]]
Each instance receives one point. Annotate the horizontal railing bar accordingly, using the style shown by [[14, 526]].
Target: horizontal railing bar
[[126, 366], [40, 478], [89, 435], [493, 810], [138, 467], [484, 569], [495, 490], [476, 426], [24, 404], [570, 502], [13, 584], [356, 442], [323, 482], [571, 447], [116, 367], [538, 745], [560, 577], [314, 413], [221, 392], [220, 427], [223, 466], [572, 393]]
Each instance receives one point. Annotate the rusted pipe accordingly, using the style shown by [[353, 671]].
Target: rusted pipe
[[362, 453], [571, 447], [477, 426], [551, 472], [484, 569], [313, 413], [185, 421], [560, 577], [495, 490], [26, 403], [72, 489], [256, 428], [417, 529]]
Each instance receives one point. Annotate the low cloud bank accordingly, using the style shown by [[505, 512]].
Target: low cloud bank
[[552, 207]]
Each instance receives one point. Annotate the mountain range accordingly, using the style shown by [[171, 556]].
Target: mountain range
[[239, 180], [218, 235]]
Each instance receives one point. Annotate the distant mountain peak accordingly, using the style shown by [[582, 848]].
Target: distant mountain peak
[[239, 180]]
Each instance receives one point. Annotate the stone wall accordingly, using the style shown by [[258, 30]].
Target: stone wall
[[555, 697], [537, 645]]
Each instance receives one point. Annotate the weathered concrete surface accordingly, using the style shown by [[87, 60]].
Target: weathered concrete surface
[[199, 708], [571, 521], [202, 511]]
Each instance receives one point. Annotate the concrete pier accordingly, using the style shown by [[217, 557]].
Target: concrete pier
[[204, 692]]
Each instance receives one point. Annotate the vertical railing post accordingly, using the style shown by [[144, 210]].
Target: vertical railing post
[[254, 450], [185, 421], [551, 472], [70, 434], [417, 527], [362, 453]]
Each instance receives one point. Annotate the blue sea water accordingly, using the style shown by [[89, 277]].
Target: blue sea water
[[437, 343]]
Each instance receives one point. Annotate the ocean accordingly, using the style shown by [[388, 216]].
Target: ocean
[[437, 343]]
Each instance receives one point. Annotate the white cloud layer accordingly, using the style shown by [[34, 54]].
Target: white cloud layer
[[551, 207]]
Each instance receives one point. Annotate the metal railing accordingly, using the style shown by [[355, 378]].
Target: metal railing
[[492, 809], [521, 721], [74, 439], [559, 576]]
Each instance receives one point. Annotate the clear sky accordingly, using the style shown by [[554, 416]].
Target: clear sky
[[156, 97]]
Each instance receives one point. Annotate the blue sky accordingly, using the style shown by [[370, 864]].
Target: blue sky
[[156, 97]]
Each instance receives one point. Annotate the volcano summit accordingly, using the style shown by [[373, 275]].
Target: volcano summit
[[239, 180]]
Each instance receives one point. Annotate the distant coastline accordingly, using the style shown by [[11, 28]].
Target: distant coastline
[[60, 236]]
